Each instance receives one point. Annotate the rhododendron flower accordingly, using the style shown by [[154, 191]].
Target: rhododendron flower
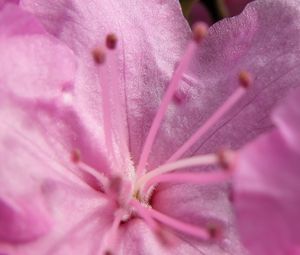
[[103, 100]]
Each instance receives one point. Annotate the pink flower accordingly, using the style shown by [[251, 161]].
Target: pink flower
[[267, 191], [77, 107]]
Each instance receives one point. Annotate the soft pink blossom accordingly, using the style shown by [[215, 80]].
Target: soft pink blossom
[[73, 131], [267, 190]]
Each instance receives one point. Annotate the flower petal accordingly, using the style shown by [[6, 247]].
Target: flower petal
[[39, 128], [40, 190], [267, 198], [287, 119]]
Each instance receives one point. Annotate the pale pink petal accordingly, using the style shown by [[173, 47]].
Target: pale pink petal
[[287, 119], [266, 196]]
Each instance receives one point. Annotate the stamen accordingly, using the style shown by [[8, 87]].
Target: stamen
[[113, 82], [99, 57], [111, 41], [245, 79], [100, 177], [173, 85], [214, 231], [185, 228], [229, 103], [226, 159], [188, 162], [212, 177], [143, 212], [165, 237], [75, 157]]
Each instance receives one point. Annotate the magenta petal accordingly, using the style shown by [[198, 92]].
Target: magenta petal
[[267, 200], [287, 119]]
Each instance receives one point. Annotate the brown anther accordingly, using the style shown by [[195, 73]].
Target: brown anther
[[111, 41], [75, 156], [199, 31], [99, 55], [108, 253], [226, 158], [214, 231], [245, 79]]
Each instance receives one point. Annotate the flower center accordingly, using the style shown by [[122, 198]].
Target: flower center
[[131, 198]]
